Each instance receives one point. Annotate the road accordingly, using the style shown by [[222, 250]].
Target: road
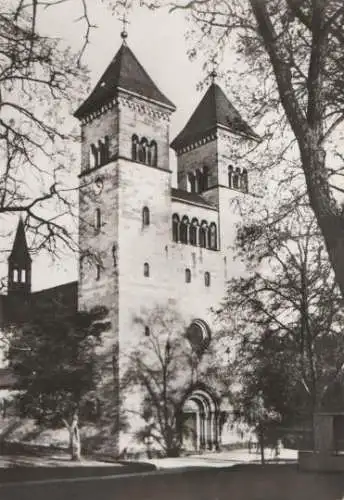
[[243, 482]]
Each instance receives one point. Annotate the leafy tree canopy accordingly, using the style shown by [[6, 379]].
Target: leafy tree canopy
[[55, 363]]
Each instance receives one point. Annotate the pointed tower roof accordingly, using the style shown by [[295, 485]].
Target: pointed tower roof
[[124, 72], [20, 252], [214, 110]]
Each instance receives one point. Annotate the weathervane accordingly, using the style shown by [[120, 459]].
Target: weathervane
[[124, 21]]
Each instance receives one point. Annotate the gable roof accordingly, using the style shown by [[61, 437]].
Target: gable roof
[[181, 195], [61, 298], [125, 72], [20, 252], [214, 110]]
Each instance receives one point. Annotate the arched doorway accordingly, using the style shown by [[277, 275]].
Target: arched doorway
[[200, 421]]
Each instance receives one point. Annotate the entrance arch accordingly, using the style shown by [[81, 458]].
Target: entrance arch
[[200, 423]]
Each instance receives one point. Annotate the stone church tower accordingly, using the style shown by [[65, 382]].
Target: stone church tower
[[142, 241]]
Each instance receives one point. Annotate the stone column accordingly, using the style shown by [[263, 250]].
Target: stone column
[[198, 431], [202, 430], [209, 431]]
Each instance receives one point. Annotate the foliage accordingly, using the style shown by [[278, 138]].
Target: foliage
[[285, 319], [54, 361], [251, 407]]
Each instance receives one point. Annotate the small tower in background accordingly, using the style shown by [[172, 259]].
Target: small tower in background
[[19, 263]]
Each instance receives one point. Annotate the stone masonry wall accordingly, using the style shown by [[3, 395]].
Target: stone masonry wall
[[99, 287], [122, 245], [145, 120], [197, 158], [104, 125]]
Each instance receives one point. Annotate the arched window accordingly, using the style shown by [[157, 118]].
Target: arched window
[[100, 153], [230, 176], [98, 272], [213, 236], [146, 270], [205, 178], [145, 216], [15, 275], [199, 181], [143, 150], [203, 234], [98, 219], [244, 181], [193, 231], [153, 148], [207, 279], [175, 227], [147, 331], [187, 276], [106, 149], [134, 147], [93, 156], [192, 182], [184, 228], [236, 177]]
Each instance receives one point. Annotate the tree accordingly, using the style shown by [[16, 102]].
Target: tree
[[285, 319], [293, 49], [162, 369], [56, 368], [40, 80], [251, 407]]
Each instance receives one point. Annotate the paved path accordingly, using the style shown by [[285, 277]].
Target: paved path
[[219, 459], [223, 459]]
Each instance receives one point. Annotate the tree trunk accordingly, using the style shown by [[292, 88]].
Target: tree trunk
[[261, 447], [308, 129], [326, 210], [76, 445], [74, 438]]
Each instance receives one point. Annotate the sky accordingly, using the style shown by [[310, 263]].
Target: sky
[[157, 38]]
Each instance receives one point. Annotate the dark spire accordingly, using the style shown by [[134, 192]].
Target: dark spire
[[20, 252], [214, 110], [19, 262], [123, 73]]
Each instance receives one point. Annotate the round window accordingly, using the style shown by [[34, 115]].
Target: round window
[[198, 335]]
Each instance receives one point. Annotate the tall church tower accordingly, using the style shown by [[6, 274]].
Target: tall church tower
[[124, 201], [205, 152], [19, 264]]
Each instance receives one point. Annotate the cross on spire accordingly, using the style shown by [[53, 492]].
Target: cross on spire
[[213, 76], [124, 21], [213, 73]]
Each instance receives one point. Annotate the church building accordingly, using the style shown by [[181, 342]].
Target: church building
[[144, 242]]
